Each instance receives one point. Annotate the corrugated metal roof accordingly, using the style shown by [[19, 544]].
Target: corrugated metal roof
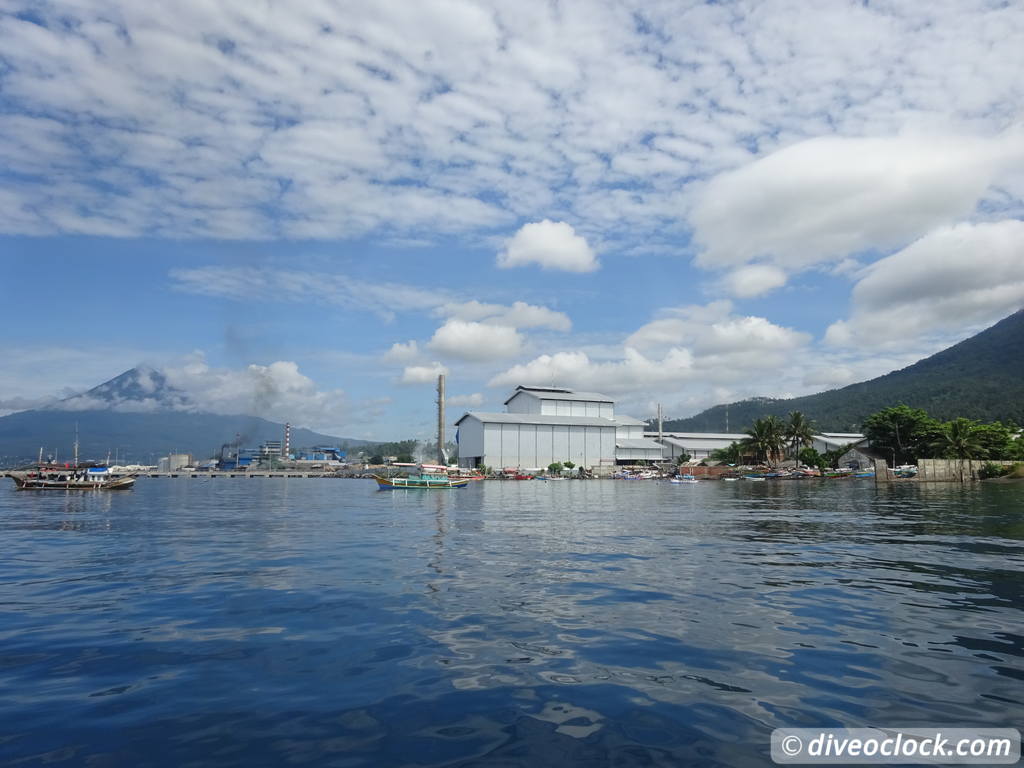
[[699, 435], [646, 445], [688, 444], [537, 418], [590, 397], [629, 421]]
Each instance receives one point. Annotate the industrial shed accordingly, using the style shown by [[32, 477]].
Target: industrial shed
[[528, 441], [543, 425]]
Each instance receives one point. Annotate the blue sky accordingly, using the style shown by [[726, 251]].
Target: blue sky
[[682, 203]]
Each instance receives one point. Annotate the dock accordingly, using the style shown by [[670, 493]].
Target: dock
[[229, 475]]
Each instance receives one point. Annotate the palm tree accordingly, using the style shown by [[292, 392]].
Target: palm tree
[[765, 438], [799, 432], [959, 439]]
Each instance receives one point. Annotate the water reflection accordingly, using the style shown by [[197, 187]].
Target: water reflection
[[260, 622]]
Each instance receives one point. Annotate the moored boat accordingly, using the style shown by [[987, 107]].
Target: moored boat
[[420, 481], [48, 478]]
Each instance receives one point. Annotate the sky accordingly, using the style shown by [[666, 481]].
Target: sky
[[682, 203]]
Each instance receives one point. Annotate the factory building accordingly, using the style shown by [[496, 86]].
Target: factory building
[[699, 445], [696, 445], [543, 425]]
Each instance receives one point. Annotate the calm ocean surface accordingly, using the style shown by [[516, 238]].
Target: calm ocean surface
[[323, 622]]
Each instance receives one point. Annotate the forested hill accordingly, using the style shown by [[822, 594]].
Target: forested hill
[[979, 378]]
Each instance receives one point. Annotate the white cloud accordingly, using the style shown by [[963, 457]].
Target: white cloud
[[952, 282], [548, 244], [402, 352], [519, 315], [686, 349], [237, 120], [278, 391], [474, 400], [422, 374], [829, 197], [285, 285], [754, 280], [467, 340]]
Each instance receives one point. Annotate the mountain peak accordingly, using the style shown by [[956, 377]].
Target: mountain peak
[[139, 390]]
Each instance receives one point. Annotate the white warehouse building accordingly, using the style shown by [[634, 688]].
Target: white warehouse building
[[543, 425]]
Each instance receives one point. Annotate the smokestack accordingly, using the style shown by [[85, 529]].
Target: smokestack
[[659, 423], [441, 458], [287, 440]]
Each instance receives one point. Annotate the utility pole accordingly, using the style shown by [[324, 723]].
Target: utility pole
[[441, 458]]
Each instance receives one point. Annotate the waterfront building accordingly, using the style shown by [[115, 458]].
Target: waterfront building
[[696, 445], [544, 425], [699, 445]]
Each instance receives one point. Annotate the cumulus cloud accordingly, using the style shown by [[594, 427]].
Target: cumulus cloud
[[952, 281], [474, 400], [686, 348], [754, 280], [473, 341], [829, 197], [422, 374], [278, 391], [402, 352], [519, 315], [550, 245]]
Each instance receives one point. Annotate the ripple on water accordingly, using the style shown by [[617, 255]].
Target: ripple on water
[[260, 622]]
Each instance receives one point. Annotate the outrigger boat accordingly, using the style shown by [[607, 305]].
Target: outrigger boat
[[420, 481], [431, 476]]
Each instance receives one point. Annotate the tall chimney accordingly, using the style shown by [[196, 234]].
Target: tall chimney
[[287, 441], [441, 458], [659, 423]]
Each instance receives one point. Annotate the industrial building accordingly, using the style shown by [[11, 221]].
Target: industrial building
[[543, 425], [699, 445]]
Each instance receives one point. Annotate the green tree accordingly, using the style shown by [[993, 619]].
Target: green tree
[[404, 458], [904, 432], [728, 455], [811, 458], [568, 464], [765, 438], [958, 439], [1016, 451], [682, 458], [554, 467], [798, 431], [996, 440], [376, 459]]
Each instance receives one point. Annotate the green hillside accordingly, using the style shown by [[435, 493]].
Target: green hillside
[[979, 378]]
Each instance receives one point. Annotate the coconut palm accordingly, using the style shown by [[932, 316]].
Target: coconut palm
[[765, 437], [799, 432], [959, 439]]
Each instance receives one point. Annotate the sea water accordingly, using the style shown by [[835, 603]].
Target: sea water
[[258, 622]]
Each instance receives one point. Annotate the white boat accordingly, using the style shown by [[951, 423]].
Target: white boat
[[684, 479]]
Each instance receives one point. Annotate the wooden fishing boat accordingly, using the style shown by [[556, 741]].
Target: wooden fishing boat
[[420, 481], [70, 479]]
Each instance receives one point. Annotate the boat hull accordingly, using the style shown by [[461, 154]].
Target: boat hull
[[403, 483], [23, 482]]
